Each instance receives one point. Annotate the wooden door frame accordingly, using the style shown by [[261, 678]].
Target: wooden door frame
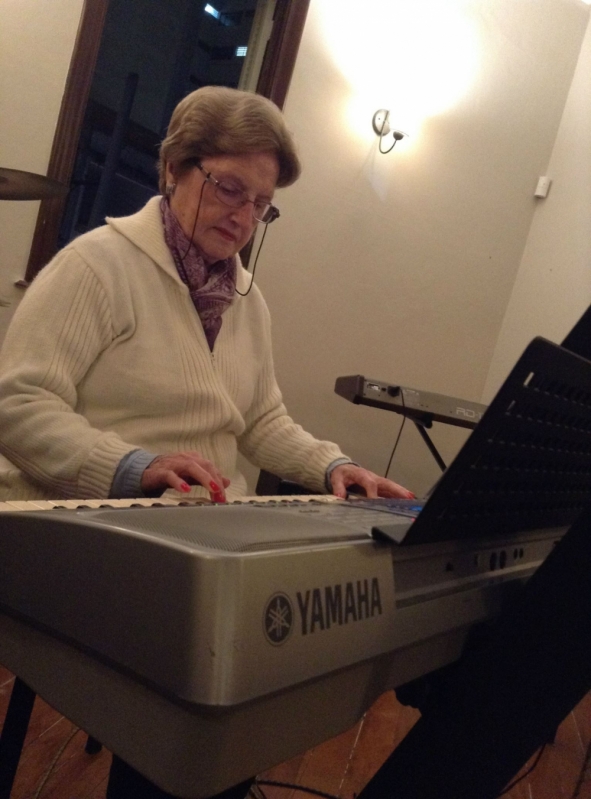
[[276, 72]]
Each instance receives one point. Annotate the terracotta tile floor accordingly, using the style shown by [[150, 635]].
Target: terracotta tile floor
[[341, 766], [345, 764]]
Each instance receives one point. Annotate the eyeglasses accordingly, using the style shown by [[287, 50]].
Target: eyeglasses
[[231, 195]]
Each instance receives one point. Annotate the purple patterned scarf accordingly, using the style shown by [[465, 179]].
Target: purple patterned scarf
[[211, 288]]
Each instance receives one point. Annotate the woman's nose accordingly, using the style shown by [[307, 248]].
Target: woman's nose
[[244, 214]]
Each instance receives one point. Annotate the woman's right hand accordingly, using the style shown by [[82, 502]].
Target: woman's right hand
[[180, 470]]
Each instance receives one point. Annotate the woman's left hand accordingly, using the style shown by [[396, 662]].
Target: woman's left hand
[[347, 474]]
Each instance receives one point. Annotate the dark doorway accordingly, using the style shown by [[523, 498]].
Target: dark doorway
[[132, 62], [151, 55]]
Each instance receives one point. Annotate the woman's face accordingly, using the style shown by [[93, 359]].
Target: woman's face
[[221, 230]]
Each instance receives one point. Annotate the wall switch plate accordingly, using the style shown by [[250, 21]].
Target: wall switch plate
[[543, 187]]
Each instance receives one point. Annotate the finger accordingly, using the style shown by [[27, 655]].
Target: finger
[[210, 467], [205, 472], [338, 486], [184, 463], [369, 485], [178, 470], [176, 477], [154, 479], [345, 483], [344, 476], [211, 480], [176, 482], [216, 493], [365, 479], [391, 489], [151, 480]]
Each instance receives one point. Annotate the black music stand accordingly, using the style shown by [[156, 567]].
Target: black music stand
[[527, 465], [503, 700], [579, 338], [505, 697]]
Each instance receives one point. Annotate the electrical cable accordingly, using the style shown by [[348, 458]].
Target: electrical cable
[[399, 434], [255, 264], [256, 792], [294, 787], [194, 223], [54, 762], [523, 776], [583, 774], [314, 792]]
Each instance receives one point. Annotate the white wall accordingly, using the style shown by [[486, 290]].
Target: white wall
[[400, 266], [36, 43], [553, 286]]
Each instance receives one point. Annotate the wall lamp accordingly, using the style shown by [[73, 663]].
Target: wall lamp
[[382, 127]]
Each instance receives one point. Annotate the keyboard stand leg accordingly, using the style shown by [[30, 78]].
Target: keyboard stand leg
[[13, 734], [92, 746], [431, 446], [126, 783]]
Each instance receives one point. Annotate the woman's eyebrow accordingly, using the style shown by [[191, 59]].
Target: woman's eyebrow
[[230, 178]]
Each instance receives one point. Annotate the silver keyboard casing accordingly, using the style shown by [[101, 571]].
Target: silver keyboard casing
[[178, 597]]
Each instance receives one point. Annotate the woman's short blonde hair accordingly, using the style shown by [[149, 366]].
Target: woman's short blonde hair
[[216, 120]]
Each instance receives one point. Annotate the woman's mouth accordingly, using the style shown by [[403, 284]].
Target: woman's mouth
[[225, 234]]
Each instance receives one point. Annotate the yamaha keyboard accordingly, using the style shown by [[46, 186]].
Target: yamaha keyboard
[[218, 605], [207, 643]]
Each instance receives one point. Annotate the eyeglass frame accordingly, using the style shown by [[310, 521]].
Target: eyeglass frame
[[244, 198]]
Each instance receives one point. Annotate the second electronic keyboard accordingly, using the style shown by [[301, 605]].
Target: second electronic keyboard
[[423, 407]]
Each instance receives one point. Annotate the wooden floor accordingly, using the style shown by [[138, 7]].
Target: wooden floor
[[341, 766]]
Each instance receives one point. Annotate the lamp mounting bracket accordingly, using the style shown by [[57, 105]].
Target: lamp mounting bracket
[[380, 122]]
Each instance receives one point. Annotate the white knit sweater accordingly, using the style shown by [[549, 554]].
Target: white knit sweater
[[106, 354]]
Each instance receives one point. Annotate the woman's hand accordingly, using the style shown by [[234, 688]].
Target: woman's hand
[[347, 474], [180, 470]]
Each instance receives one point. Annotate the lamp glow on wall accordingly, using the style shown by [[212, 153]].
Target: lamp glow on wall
[[414, 58]]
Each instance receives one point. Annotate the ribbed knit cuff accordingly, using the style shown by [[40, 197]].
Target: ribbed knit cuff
[[128, 477], [330, 469], [96, 476]]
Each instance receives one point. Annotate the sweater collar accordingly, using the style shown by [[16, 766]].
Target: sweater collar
[[145, 230]]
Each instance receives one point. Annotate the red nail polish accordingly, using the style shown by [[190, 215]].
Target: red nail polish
[[185, 487], [215, 487], [219, 497]]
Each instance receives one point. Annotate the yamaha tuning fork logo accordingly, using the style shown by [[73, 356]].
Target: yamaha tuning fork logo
[[278, 619], [319, 609]]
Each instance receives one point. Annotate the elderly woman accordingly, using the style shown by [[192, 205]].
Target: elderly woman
[[140, 358]]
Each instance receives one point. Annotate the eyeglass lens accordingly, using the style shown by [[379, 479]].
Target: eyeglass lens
[[235, 197]]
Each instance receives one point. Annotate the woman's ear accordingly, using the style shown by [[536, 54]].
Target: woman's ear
[[170, 172]]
